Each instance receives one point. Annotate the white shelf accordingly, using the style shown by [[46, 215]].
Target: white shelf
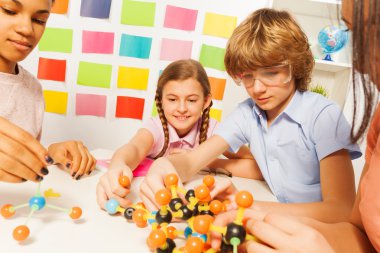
[[331, 66], [316, 8]]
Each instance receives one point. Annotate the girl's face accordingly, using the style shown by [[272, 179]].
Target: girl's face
[[273, 99], [183, 103], [21, 27]]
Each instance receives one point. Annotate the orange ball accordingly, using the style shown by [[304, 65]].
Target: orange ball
[[163, 197], [157, 238], [216, 206], [209, 181], [7, 211], [171, 179], [139, 216], [76, 212], [244, 199], [171, 232], [20, 233], [202, 192], [194, 245], [124, 181], [202, 223]]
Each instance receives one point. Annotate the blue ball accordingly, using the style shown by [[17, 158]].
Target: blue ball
[[37, 202], [111, 206], [332, 39]]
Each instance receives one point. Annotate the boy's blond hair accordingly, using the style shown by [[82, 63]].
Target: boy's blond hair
[[267, 38]]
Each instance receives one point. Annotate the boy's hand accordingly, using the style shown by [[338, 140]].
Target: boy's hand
[[154, 181], [109, 188], [22, 157], [74, 156], [224, 189]]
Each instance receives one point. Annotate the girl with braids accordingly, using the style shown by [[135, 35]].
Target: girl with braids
[[183, 101]]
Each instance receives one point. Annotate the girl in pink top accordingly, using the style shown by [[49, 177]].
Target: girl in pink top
[[22, 157], [183, 101], [361, 233]]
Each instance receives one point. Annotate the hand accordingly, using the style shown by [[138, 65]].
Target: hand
[[74, 156], [154, 181], [22, 157], [109, 188], [224, 189]]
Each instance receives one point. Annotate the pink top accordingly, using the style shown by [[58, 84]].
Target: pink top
[[370, 189], [22, 101], [190, 141]]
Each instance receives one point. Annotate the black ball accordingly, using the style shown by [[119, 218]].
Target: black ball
[[226, 248], [207, 212], [170, 247], [128, 213], [173, 203], [187, 213], [189, 193], [164, 218], [235, 230]]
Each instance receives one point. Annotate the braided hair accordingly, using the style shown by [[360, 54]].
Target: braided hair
[[183, 70]]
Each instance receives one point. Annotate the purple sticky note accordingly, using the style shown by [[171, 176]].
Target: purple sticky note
[[89, 104], [172, 50], [97, 42], [95, 8], [180, 18]]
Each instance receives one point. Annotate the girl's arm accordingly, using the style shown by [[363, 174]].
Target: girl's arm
[[240, 164], [338, 192]]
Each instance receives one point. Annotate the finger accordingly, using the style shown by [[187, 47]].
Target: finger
[[83, 160], [75, 155], [21, 136], [18, 153], [93, 162], [149, 205], [7, 177], [147, 196], [113, 181], [284, 223], [105, 194], [101, 196], [268, 233], [90, 162], [256, 247], [11, 166]]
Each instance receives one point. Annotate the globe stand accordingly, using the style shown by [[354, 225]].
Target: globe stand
[[327, 57]]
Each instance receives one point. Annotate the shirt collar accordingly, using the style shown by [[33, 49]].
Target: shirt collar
[[190, 138]]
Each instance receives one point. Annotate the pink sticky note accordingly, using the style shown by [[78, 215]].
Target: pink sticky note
[[180, 18], [139, 171], [97, 42], [88, 104], [172, 50]]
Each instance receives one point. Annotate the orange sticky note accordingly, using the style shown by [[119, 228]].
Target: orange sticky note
[[129, 107], [60, 6], [218, 86], [52, 69]]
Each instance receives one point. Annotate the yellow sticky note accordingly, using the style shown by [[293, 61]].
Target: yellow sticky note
[[133, 78], [219, 25], [216, 114], [56, 101]]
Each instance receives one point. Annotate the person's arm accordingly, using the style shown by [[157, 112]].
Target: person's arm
[[123, 162], [240, 164], [22, 157], [338, 192]]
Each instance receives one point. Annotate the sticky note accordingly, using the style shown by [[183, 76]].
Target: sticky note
[[56, 40], [129, 107], [51, 69], [212, 57], [219, 25], [138, 13], [172, 50], [97, 42], [94, 74], [90, 104], [180, 18], [133, 78], [216, 114], [55, 101], [95, 8], [60, 6], [154, 110], [218, 86], [135, 46]]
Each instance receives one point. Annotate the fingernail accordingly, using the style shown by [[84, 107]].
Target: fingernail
[[68, 165], [73, 175], [23, 179], [79, 177], [49, 160], [39, 178], [249, 224], [88, 173], [44, 171]]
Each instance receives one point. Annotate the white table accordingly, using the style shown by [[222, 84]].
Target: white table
[[96, 231]]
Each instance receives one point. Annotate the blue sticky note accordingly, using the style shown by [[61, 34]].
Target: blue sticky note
[[95, 8], [135, 46]]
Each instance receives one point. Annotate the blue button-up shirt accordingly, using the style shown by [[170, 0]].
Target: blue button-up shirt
[[289, 151]]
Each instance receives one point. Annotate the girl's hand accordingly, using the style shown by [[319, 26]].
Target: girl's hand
[[224, 189], [109, 188], [74, 156], [22, 157]]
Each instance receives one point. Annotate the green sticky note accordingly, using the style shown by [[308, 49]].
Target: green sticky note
[[138, 13], [94, 74], [212, 57], [56, 40]]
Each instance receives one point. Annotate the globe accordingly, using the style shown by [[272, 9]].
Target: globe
[[332, 39]]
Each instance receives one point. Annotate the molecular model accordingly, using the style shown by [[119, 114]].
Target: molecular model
[[36, 203], [198, 213]]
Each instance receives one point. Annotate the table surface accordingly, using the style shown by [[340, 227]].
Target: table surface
[[95, 231]]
